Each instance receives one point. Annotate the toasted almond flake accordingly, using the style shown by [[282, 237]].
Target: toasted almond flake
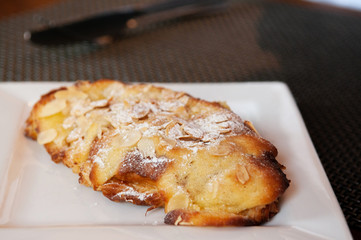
[[184, 99], [69, 122], [224, 104], [101, 130], [118, 115], [169, 141], [113, 90], [140, 110], [169, 106], [129, 139], [74, 135], [174, 130], [99, 103], [146, 147], [185, 223], [219, 118], [53, 107], [83, 123], [167, 94], [250, 125], [242, 174], [221, 149], [224, 124], [181, 112], [178, 201], [179, 94], [193, 131], [69, 94], [63, 94], [186, 138], [215, 187], [98, 116], [59, 139], [225, 130], [66, 111], [47, 136], [165, 125], [179, 219], [169, 126]]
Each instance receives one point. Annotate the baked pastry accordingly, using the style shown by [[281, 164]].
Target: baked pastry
[[153, 146]]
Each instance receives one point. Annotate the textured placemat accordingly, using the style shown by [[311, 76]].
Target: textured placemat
[[317, 53]]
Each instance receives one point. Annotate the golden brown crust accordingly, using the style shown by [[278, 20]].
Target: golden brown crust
[[119, 191], [153, 146], [250, 217]]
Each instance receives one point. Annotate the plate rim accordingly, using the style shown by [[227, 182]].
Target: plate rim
[[14, 85]]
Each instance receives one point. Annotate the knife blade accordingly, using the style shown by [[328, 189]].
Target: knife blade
[[101, 28]]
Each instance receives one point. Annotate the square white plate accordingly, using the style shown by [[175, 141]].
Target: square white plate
[[43, 200]]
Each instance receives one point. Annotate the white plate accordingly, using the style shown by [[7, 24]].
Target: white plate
[[43, 200]]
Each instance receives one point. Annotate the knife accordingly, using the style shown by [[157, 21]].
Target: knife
[[102, 28]]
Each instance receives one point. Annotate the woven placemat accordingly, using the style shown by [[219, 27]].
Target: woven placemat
[[317, 53]]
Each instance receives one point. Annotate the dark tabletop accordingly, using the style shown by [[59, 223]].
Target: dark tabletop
[[316, 51]]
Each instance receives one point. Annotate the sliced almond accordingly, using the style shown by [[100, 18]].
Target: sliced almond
[[83, 123], [161, 121], [169, 141], [174, 130], [180, 94], [99, 103], [179, 201], [224, 104], [225, 130], [53, 107], [99, 117], [59, 139], [186, 138], [169, 106], [168, 94], [224, 127], [69, 122], [118, 114], [219, 118], [242, 174], [47, 136], [115, 89], [250, 125], [70, 94], [129, 139], [215, 187], [183, 223], [181, 112], [75, 134], [212, 187], [221, 149], [146, 147], [179, 220], [224, 124], [140, 110], [184, 99], [193, 131], [81, 107]]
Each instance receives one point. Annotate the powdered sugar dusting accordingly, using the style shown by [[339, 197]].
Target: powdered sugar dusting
[[101, 153], [128, 193], [145, 166], [167, 117], [98, 160]]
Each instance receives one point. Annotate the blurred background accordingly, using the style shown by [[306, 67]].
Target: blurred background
[[8, 8]]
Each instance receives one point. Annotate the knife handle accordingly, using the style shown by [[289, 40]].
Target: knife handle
[[167, 5]]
